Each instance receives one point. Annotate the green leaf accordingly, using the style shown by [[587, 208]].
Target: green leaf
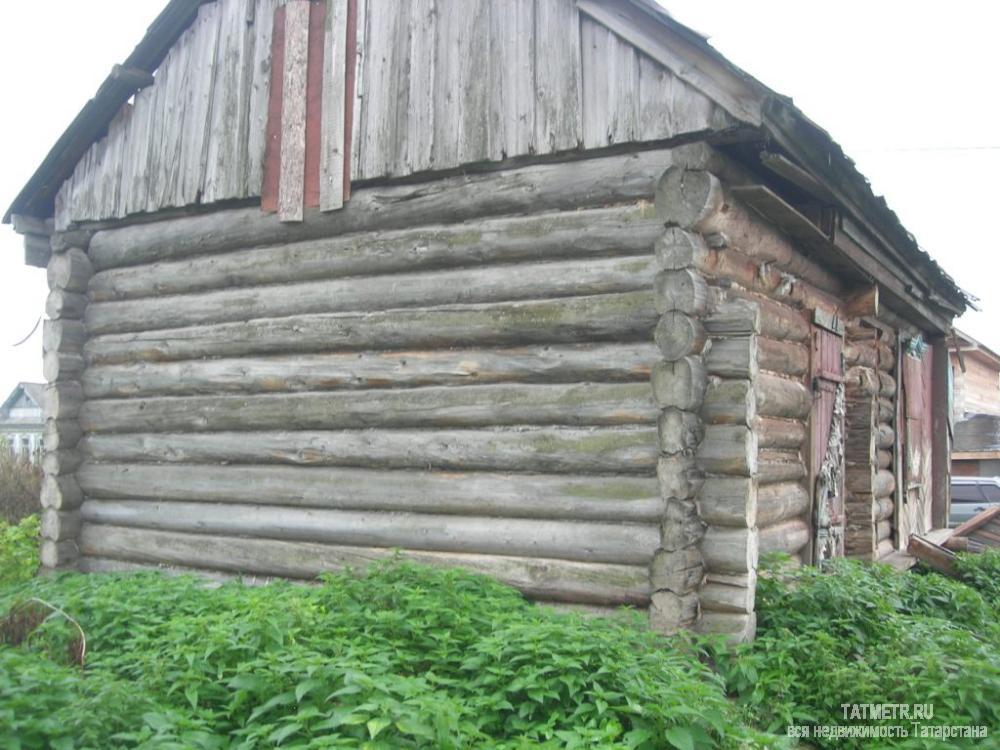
[[680, 737], [375, 726]]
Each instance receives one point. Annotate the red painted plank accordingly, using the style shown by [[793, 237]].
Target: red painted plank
[[314, 102], [272, 145]]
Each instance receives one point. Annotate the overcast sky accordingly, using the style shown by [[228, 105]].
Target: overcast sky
[[907, 88]]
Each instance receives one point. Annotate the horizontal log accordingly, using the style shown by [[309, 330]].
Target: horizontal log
[[728, 501], [61, 492], [861, 354], [574, 450], [886, 357], [679, 431], [555, 580], [782, 434], [729, 550], [669, 613], [684, 291], [781, 502], [886, 437], [70, 271], [555, 279], [58, 463], [734, 357], [779, 466], [783, 357], [679, 476], [885, 548], [729, 450], [66, 305], [679, 384], [737, 627], [886, 411], [625, 499], [883, 459], [778, 321], [884, 484], [606, 362], [565, 186], [679, 335], [862, 303], [58, 555], [58, 525], [603, 317], [729, 402], [788, 537], [883, 509], [698, 201], [63, 400], [472, 406], [58, 366], [725, 265], [680, 571], [723, 597], [886, 385], [781, 397], [734, 317], [67, 240], [621, 230], [585, 541], [67, 336], [860, 382], [677, 249], [61, 434]]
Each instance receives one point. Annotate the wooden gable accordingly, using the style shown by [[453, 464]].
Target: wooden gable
[[440, 84]]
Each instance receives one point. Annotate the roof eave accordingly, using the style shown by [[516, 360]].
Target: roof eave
[[37, 197]]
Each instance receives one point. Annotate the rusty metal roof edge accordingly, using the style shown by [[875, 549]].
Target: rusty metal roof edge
[[37, 196]]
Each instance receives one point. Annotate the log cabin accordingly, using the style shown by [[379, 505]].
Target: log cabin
[[547, 289]]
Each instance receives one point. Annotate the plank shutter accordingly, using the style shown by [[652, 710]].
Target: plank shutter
[[827, 442]]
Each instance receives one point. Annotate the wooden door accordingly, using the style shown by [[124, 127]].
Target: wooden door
[[827, 442], [916, 436]]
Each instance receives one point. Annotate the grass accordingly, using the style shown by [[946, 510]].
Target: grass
[[411, 657], [20, 486]]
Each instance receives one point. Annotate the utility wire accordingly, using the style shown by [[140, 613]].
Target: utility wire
[[25, 339]]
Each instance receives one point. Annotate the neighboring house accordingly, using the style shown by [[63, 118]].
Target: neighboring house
[[546, 288], [976, 373], [975, 408], [21, 421], [977, 447]]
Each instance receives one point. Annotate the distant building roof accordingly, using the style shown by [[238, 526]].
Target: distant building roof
[[964, 344], [34, 391]]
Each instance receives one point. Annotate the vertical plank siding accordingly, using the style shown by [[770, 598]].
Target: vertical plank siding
[[291, 184], [438, 84]]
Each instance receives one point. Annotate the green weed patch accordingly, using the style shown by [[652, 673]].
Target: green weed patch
[[404, 657]]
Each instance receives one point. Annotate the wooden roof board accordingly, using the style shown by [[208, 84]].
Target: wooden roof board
[[643, 24]]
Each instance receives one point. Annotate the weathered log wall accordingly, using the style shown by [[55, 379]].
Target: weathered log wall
[[436, 369], [871, 441], [751, 494]]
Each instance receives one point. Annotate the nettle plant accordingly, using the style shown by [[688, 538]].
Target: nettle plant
[[401, 657]]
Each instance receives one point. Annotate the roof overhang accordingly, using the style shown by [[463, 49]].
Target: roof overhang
[[37, 197]]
